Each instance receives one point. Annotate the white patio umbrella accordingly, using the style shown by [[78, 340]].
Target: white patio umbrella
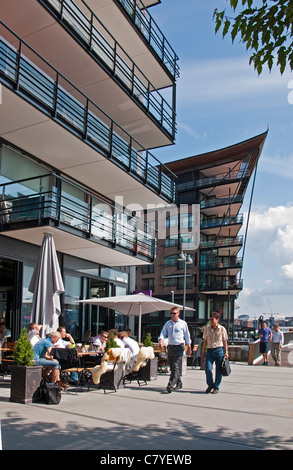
[[134, 304], [46, 285]]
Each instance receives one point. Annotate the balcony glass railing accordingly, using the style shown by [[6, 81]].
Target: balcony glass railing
[[222, 178], [215, 263], [152, 33], [56, 199], [221, 201], [93, 34], [220, 284], [222, 221], [77, 113], [222, 242]]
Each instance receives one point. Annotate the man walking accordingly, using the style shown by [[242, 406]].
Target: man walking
[[265, 335], [215, 338], [277, 344], [178, 335]]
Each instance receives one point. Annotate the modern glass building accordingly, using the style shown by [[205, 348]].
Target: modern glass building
[[82, 107], [208, 227]]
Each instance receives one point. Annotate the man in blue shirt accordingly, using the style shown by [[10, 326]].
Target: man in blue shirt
[[265, 335], [42, 356], [176, 330]]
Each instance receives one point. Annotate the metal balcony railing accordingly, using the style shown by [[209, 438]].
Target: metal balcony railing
[[97, 39], [221, 284], [152, 33], [221, 221], [222, 178], [56, 199], [215, 263], [221, 201], [222, 242], [48, 91]]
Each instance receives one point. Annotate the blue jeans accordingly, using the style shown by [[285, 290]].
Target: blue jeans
[[214, 355]]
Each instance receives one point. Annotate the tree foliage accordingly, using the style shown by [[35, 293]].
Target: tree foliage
[[23, 353], [265, 26]]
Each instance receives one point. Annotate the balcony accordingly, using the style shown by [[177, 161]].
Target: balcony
[[221, 285], [146, 25], [75, 41], [221, 205], [224, 178], [227, 246], [91, 227], [226, 226], [214, 263], [48, 116]]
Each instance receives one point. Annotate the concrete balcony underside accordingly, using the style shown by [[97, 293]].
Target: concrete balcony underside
[[52, 41], [30, 129], [74, 245]]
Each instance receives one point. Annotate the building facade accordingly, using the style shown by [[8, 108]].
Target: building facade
[[205, 227], [81, 109]]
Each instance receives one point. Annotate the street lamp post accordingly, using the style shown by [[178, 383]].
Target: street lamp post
[[187, 260]]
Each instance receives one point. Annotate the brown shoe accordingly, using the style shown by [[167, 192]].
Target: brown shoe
[[215, 391]]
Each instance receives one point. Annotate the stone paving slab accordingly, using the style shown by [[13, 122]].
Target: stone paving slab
[[254, 410]]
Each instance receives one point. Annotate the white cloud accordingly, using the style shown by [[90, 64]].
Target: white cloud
[[227, 79]]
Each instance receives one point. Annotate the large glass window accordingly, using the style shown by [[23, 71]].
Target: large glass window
[[27, 296], [70, 314]]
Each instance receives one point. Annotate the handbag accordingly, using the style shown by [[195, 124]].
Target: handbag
[[225, 367], [50, 393]]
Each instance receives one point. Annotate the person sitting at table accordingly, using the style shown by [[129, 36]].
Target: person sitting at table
[[42, 356], [118, 341], [101, 340], [66, 339], [129, 343], [34, 333]]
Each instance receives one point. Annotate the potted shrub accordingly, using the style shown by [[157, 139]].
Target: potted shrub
[[150, 371], [25, 377]]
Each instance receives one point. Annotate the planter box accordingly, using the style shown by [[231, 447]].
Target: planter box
[[150, 371], [25, 384]]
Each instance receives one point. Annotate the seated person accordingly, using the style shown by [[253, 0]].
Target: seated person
[[66, 339], [42, 356], [129, 343], [34, 333], [118, 341], [101, 340]]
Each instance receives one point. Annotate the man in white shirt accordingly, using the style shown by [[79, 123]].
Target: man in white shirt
[[176, 330], [34, 333], [277, 344], [129, 343]]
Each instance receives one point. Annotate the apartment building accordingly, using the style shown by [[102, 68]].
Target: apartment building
[[81, 110], [208, 230]]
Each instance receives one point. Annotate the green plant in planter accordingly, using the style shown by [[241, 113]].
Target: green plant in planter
[[23, 353], [111, 343], [148, 341]]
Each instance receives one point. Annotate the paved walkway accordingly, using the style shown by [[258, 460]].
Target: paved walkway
[[254, 410]]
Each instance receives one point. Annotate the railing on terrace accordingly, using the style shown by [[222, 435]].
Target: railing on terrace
[[77, 113], [220, 201], [98, 40], [222, 221], [222, 178], [152, 33], [52, 197], [215, 263], [220, 285], [222, 242]]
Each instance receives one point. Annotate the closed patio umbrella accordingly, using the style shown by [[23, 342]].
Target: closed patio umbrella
[[46, 285], [134, 304]]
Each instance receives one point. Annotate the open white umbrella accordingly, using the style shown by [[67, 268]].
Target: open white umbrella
[[46, 285], [134, 304]]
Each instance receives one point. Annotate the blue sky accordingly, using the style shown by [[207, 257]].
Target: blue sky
[[221, 101]]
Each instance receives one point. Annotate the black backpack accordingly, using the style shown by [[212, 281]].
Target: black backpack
[[50, 393]]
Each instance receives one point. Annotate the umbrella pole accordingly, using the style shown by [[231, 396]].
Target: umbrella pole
[[139, 324]]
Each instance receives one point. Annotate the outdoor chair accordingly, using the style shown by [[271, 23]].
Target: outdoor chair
[[144, 356], [103, 375]]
